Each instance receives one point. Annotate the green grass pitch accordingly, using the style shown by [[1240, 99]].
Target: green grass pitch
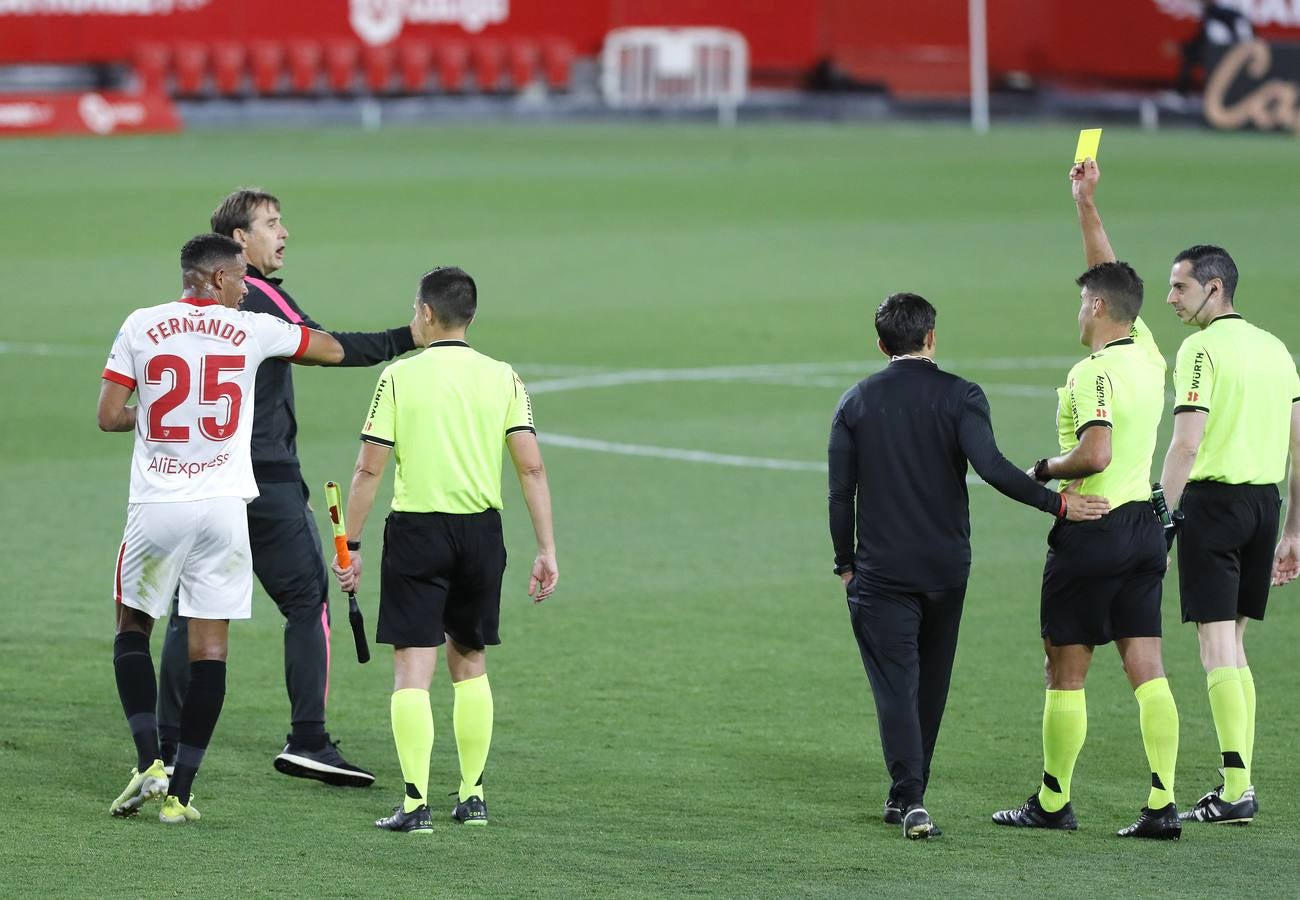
[[688, 715]]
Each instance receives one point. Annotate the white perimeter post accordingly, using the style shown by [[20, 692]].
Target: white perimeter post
[[979, 67]]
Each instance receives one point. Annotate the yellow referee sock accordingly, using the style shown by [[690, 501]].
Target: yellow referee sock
[[1065, 725], [1228, 704], [472, 717], [1248, 689], [413, 734], [1159, 718]]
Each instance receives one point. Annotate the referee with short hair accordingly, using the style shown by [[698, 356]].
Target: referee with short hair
[[445, 414], [899, 446], [1237, 414]]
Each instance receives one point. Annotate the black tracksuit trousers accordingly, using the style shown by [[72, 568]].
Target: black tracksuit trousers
[[907, 641]]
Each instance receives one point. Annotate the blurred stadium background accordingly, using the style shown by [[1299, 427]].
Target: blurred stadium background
[[687, 302]]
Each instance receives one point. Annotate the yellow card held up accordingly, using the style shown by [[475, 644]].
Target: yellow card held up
[[1089, 142]]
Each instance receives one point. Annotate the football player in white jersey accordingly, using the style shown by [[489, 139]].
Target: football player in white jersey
[[192, 363]]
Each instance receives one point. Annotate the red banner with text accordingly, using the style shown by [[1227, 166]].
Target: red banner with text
[[86, 113]]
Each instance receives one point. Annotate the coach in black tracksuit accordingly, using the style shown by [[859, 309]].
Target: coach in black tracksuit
[[899, 445], [282, 529]]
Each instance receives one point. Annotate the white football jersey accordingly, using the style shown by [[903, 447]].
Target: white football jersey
[[193, 364]]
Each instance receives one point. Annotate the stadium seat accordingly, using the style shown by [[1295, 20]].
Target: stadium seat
[[150, 64], [557, 60], [524, 58], [452, 60], [378, 63], [266, 61], [488, 59], [414, 58], [191, 67], [228, 68], [341, 66], [304, 66]]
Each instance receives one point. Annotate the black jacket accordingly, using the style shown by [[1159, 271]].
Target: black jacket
[[900, 442], [275, 425]]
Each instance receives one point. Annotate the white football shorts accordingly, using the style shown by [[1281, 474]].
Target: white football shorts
[[202, 545]]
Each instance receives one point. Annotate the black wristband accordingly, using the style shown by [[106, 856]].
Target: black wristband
[[1040, 470], [845, 567], [354, 546]]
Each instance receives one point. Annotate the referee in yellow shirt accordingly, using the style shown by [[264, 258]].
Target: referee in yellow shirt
[[1103, 579], [1236, 415], [445, 413]]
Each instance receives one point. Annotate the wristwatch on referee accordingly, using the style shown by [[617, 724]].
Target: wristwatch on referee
[[845, 567], [354, 546], [1040, 471]]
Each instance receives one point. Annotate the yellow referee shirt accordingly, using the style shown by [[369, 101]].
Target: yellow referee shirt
[[1121, 387], [446, 413], [1246, 380]]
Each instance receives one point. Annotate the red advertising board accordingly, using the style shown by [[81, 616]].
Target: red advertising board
[[923, 41], [86, 113]]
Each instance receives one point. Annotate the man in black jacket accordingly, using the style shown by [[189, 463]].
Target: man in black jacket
[[900, 442], [282, 530]]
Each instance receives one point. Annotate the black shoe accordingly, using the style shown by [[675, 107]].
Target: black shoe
[[324, 764], [1032, 815], [470, 811], [917, 824], [417, 821], [893, 812], [1214, 810], [1160, 824]]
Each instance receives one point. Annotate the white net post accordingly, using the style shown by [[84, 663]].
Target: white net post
[[979, 66]]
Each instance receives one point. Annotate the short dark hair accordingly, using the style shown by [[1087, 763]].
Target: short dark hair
[[205, 251], [1119, 285], [236, 211], [902, 322], [1209, 261], [451, 294]]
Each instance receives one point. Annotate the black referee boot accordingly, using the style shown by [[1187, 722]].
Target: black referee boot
[[1031, 814], [1160, 824]]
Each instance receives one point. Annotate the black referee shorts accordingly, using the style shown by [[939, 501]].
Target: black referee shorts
[[441, 574], [1225, 550], [1103, 579]]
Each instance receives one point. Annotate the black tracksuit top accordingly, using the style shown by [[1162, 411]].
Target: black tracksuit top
[[899, 445], [275, 423]]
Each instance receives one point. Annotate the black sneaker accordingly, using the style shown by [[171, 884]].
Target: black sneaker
[[1214, 810], [1032, 815], [417, 821], [893, 812], [324, 764], [471, 811], [917, 824], [1160, 824]]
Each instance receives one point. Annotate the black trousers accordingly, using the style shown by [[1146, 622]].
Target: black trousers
[[907, 641], [288, 562]]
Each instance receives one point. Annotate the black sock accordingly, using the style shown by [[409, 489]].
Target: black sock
[[137, 686], [203, 701], [309, 735]]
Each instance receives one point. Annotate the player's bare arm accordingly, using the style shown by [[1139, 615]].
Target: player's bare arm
[[1286, 560], [1189, 431], [1084, 177], [371, 461], [1090, 457], [527, 457], [323, 349], [113, 413]]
